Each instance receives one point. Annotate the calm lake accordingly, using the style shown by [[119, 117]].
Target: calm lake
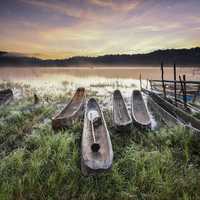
[[98, 81], [23, 73], [117, 77]]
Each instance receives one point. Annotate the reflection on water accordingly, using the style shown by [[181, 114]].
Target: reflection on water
[[18, 73], [104, 77], [99, 82]]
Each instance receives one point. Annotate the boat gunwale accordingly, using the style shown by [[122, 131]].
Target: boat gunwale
[[69, 103], [57, 121]]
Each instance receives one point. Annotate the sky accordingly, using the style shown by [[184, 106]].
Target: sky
[[66, 28]]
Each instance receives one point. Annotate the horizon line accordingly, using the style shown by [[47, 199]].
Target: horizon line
[[31, 55]]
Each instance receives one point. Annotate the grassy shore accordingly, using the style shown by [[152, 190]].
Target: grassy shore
[[37, 163]]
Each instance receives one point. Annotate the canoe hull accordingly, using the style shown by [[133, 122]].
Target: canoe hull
[[185, 117], [166, 117], [121, 118], [6, 96], [72, 112], [101, 161], [68, 121], [139, 111]]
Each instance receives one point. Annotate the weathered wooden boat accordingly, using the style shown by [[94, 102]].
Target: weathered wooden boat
[[170, 98], [190, 108], [121, 117], [96, 147], [6, 96], [168, 119], [180, 114], [71, 112], [179, 104], [139, 110]]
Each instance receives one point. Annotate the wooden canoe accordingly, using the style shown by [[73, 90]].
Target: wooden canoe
[[168, 119], [71, 112], [6, 96], [139, 110], [180, 114], [95, 134], [190, 108], [121, 117]]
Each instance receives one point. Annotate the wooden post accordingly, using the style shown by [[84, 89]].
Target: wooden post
[[162, 76], [147, 84], [140, 81], [185, 91], [182, 88], [150, 84], [36, 99], [175, 84]]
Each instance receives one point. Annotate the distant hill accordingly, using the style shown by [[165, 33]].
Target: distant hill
[[169, 56]]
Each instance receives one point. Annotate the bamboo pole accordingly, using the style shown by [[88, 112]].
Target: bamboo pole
[[175, 84], [140, 81], [162, 76], [150, 84], [185, 91], [182, 89]]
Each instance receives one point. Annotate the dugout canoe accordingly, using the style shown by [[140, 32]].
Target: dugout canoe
[[180, 114], [121, 117], [190, 108], [139, 110], [71, 112], [96, 147], [168, 119], [6, 96]]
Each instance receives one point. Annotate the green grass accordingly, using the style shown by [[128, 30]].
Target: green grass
[[37, 163]]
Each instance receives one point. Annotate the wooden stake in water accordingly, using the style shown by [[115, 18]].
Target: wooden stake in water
[[175, 85], [140, 81], [180, 79], [185, 91], [150, 81], [162, 76]]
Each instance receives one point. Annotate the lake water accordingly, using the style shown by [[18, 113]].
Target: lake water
[[105, 78], [98, 81]]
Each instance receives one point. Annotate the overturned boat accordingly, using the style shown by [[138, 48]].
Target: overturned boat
[[139, 110], [96, 147], [121, 117], [72, 111], [6, 96]]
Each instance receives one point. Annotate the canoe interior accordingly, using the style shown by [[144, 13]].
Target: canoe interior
[[120, 112], [177, 112], [101, 160], [166, 117], [139, 110], [74, 104]]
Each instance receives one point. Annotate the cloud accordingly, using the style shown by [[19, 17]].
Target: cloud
[[98, 27], [121, 6], [60, 8]]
